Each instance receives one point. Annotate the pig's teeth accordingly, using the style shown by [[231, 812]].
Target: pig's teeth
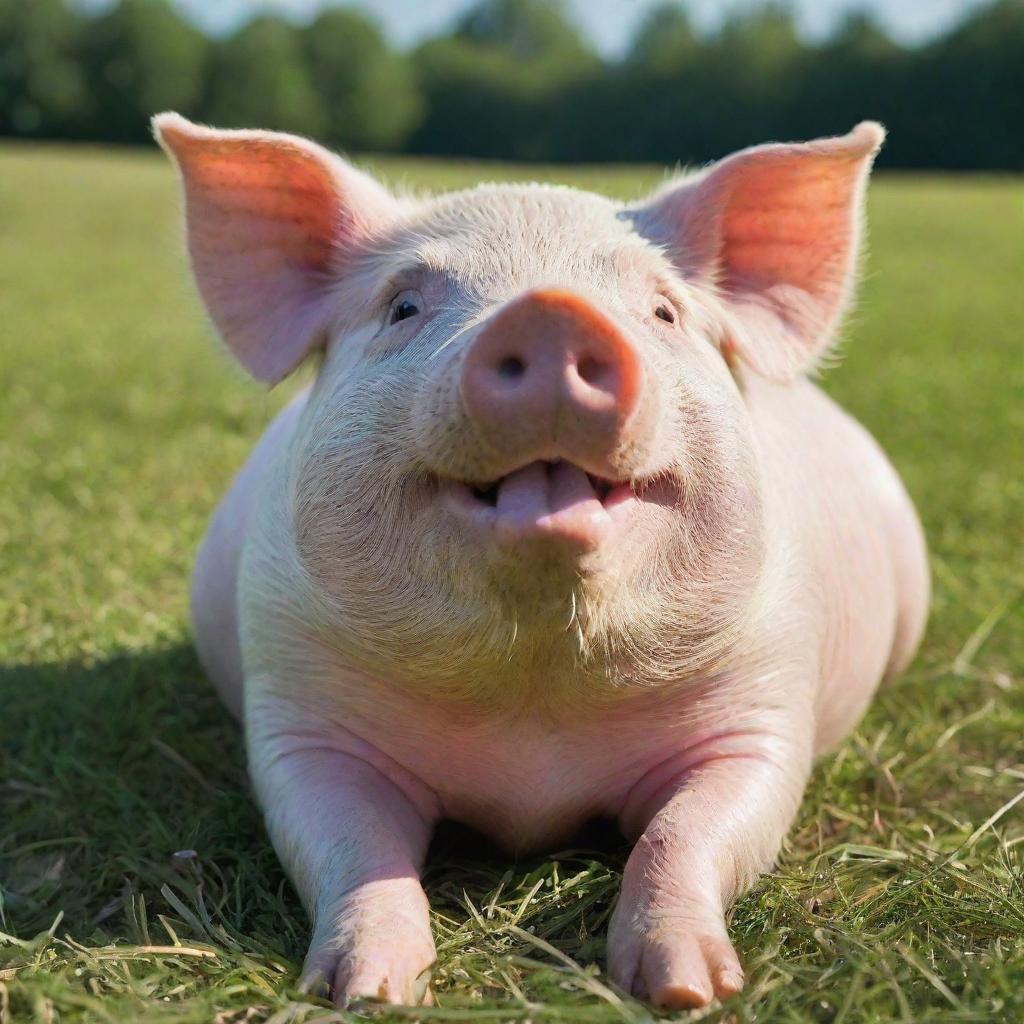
[[488, 495], [602, 487]]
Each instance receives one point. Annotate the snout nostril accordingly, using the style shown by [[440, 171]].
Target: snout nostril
[[593, 371], [511, 368]]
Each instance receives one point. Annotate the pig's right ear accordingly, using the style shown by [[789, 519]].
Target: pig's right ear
[[271, 221]]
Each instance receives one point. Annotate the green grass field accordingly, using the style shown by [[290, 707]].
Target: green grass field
[[900, 894]]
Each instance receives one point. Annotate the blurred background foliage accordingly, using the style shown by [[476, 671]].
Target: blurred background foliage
[[517, 79]]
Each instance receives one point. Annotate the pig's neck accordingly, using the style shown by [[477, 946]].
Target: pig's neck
[[546, 664]]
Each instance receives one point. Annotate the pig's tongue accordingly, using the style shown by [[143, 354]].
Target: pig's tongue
[[550, 500]]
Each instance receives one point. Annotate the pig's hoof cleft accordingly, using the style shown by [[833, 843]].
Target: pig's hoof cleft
[[728, 981]]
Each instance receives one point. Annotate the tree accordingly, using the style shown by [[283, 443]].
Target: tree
[[369, 95], [858, 73], [140, 58], [968, 88], [664, 41], [742, 86], [41, 89], [526, 30], [258, 79], [493, 87]]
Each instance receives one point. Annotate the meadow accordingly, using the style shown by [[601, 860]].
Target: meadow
[[136, 883]]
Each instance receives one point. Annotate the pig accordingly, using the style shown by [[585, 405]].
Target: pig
[[561, 530]]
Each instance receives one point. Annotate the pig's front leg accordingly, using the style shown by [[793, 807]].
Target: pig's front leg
[[709, 822], [351, 829]]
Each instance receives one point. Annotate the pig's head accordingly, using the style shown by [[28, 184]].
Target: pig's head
[[528, 443]]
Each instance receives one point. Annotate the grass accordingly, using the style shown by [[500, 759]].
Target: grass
[[135, 880]]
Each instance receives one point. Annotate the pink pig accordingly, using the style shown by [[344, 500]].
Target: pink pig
[[561, 530]]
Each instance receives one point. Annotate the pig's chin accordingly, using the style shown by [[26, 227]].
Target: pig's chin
[[551, 510]]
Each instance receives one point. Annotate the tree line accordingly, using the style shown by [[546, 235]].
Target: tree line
[[516, 79]]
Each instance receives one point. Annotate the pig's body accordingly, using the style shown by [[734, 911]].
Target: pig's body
[[536, 546], [529, 775]]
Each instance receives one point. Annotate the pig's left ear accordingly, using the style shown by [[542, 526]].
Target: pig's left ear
[[272, 222], [775, 229]]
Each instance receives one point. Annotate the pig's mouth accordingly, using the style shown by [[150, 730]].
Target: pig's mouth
[[554, 501]]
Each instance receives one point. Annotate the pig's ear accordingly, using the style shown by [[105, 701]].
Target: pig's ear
[[271, 221], [776, 230]]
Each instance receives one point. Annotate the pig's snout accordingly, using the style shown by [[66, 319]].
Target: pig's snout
[[549, 374]]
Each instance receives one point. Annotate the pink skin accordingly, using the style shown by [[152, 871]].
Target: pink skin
[[549, 374], [535, 551]]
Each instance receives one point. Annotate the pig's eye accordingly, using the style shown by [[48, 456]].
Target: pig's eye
[[404, 307], [664, 312]]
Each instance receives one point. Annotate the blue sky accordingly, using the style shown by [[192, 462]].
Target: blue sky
[[609, 23]]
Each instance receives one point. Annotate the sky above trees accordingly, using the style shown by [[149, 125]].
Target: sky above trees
[[610, 24]]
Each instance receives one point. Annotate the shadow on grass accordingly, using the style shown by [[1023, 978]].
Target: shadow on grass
[[110, 771], [102, 708]]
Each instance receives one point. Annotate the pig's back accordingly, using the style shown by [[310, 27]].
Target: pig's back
[[857, 544]]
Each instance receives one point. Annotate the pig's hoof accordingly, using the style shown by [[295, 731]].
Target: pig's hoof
[[386, 973], [374, 952], [677, 968]]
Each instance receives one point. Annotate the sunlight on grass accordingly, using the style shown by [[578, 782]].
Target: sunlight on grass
[[136, 883]]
